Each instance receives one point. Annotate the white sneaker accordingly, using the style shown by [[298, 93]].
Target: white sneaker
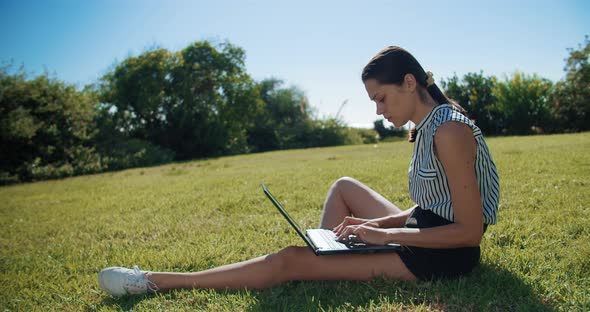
[[119, 281]]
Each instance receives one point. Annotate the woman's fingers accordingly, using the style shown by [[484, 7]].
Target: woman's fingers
[[348, 221], [348, 231], [363, 233], [343, 236], [340, 226]]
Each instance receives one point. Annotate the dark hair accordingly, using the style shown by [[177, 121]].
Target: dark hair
[[391, 65]]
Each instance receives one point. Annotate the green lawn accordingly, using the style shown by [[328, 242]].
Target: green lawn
[[191, 216]]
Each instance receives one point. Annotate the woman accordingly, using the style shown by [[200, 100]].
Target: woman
[[452, 179]]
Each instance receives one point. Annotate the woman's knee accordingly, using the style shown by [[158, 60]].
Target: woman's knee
[[287, 256], [288, 260], [345, 183]]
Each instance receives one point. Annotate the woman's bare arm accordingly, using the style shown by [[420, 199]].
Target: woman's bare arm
[[456, 150], [395, 221]]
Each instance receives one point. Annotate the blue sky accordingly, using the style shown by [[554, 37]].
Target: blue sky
[[318, 46]]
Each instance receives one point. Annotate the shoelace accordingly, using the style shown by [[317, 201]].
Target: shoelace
[[138, 280]]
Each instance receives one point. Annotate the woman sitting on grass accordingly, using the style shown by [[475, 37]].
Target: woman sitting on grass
[[452, 179]]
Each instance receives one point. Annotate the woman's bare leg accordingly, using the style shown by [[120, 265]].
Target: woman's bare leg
[[291, 263], [347, 197]]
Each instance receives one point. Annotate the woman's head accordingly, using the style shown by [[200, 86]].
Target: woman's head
[[394, 78], [390, 66]]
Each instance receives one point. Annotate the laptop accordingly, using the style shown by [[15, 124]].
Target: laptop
[[323, 242]]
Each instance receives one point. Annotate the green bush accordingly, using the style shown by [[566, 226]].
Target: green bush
[[46, 128], [131, 153], [328, 132], [523, 101], [387, 132], [362, 136]]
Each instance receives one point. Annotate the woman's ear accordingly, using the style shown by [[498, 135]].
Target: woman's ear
[[410, 82]]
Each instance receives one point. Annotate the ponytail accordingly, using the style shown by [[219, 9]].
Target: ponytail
[[412, 135], [440, 98]]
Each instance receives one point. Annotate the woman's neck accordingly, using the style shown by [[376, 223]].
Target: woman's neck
[[422, 109]]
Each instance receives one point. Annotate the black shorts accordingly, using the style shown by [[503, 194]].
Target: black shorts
[[429, 263]]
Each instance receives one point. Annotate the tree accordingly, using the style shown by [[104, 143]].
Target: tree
[[571, 97], [385, 132], [46, 128], [197, 102], [136, 91], [213, 101], [523, 101], [474, 92], [282, 118]]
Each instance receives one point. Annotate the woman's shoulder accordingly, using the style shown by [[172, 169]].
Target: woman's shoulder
[[453, 131], [447, 114]]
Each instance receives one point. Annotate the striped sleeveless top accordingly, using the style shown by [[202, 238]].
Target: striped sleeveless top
[[428, 183]]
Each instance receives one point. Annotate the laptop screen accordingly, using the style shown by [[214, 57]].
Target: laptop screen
[[286, 215]]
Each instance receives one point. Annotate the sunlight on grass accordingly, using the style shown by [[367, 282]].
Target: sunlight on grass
[[194, 215]]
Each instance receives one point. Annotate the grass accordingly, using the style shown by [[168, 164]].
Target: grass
[[57, 235]]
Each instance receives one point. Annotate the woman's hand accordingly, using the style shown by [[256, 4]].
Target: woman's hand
[[353, 221], [365, 233]]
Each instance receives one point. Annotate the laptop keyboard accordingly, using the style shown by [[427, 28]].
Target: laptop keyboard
[[330, 239]]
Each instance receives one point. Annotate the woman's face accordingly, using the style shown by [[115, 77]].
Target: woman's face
[[393, 102]]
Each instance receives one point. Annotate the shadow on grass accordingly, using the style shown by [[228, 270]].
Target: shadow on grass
[[486, 289], [124, 303]]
